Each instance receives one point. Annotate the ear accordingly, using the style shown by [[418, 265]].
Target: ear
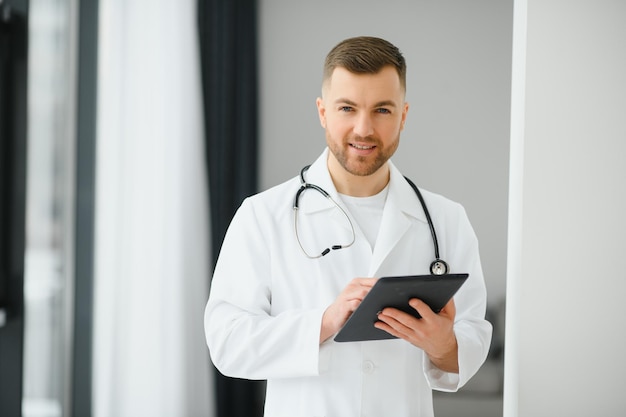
[[405, 110], [321, 111]]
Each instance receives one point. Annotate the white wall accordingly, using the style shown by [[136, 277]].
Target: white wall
[[565, 324], [456, 140]]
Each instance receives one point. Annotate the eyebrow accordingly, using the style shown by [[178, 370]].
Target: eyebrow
[[384, 103]]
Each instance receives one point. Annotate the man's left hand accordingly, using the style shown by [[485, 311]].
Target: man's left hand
[[433, 333]]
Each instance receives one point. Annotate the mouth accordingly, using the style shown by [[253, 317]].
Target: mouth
[[362, 147]]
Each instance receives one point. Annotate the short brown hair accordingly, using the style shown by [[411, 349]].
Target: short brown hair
[[365, 55]]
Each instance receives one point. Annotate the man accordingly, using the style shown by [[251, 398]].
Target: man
[[276, 301]]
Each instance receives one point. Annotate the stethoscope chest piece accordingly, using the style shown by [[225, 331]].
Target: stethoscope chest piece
[[439, 267]]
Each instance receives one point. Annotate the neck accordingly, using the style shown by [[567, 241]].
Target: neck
[[357, 185]]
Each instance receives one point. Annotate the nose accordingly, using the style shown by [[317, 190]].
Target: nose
[[363, 125]]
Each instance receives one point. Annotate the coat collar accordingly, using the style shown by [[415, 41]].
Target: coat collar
[[402, 204], [401, 197], [318, 175]]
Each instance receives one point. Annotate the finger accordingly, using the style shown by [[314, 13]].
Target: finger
[[358, 288], [356, 293], [365, 282], [422, 308], [392, 326], [449, 310], [398, 319], [387, 328], [352, 305]]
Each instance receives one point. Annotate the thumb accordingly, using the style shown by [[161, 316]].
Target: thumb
[[449, 309]]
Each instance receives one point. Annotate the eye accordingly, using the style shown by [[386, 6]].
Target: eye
[[382, 110], [345, 109]]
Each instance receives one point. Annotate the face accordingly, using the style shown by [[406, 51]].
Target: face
[[363, 115]]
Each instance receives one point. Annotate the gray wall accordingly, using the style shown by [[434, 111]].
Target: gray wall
[[456, 140]]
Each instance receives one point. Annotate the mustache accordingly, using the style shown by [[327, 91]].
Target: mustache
[[363, 139]]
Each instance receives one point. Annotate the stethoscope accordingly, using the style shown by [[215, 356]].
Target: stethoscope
[[437, 267]]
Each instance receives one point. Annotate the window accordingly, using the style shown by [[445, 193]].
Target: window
[[48, 278]]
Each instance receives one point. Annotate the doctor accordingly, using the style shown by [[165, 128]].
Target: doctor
[[276, 303]]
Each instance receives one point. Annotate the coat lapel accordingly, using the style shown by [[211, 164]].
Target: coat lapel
[[401, 208]]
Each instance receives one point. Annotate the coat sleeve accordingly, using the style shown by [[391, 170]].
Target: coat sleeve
[[473, 332], [244, 339]]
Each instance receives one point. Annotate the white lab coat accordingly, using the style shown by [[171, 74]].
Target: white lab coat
[[263, 317]]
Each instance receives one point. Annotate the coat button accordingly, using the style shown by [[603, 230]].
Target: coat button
[[368, 367]]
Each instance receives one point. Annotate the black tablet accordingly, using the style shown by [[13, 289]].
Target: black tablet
[[434, 290]]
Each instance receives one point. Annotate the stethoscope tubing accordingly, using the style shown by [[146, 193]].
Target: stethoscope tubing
[[296, 206], [437, 267], [427, 214]]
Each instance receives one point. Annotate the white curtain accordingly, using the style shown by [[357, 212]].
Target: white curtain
[[151, 258]]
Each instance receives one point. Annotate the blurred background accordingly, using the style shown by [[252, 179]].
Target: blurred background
[[131, 130], [136, 110]]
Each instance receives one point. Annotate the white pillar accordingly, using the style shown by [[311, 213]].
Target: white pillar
[[567, 225]]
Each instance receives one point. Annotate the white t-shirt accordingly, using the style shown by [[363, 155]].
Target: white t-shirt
[[367, 212]]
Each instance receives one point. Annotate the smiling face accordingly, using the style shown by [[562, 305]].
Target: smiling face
[[363, 115]]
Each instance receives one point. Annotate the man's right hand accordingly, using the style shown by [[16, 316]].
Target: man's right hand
[[344, 305]]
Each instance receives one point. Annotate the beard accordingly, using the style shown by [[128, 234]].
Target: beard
[[361, 165]]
